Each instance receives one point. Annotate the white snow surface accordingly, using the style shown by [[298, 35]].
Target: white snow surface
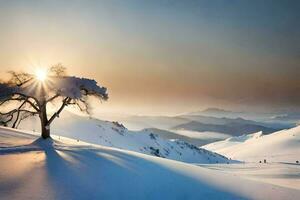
[[281, 146], [71, 86], [32, 168], [113, 134], [281, 174], [66, 86]]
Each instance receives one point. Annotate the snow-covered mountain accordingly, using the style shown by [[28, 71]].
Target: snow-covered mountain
[[293, 117], [238, 120], [138, 122], [62, 168], [193, 137], [197, 129], [280, 120], [281, 146], [113, 134]]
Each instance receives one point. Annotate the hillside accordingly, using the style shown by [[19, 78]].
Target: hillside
[[232, 141], [62, 168], [197, 129], [281, 146], [113, 134], [193, 137]]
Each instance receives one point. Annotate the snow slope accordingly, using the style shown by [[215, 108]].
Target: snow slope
[[113, 134], [281, 174], [193, 137], [231, 141], [281, 146], [32, 168]]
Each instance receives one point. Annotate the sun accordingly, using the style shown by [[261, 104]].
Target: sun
[[41, 74]]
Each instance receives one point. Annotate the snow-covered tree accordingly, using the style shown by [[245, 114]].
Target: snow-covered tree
[[30, 94]]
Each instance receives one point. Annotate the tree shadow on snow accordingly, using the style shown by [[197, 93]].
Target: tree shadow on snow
[[87, 172]]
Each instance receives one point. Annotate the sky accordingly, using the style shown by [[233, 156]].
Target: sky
[[158, 57]]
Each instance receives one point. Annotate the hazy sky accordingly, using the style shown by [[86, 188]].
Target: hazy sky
[[163, 56]]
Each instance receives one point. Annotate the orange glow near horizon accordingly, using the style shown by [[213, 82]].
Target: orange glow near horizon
[[161, 57]]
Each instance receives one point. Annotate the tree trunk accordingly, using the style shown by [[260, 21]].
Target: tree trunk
[[45, 128]]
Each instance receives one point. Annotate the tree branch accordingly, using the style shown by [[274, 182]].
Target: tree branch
[[25, 98], [52, 98], [26, 115], [31, 103], [11, 113], [34, 106], [18, 114], [8, 120], [24, 82], [56, 114], [11, 99], [20, 78]]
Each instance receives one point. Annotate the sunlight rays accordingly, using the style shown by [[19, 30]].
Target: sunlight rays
[[41, 74]]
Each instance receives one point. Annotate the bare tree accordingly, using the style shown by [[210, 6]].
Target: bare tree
[[26, 95]]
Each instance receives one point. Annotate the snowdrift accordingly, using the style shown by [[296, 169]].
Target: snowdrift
[[281, 146], [32, 168]]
